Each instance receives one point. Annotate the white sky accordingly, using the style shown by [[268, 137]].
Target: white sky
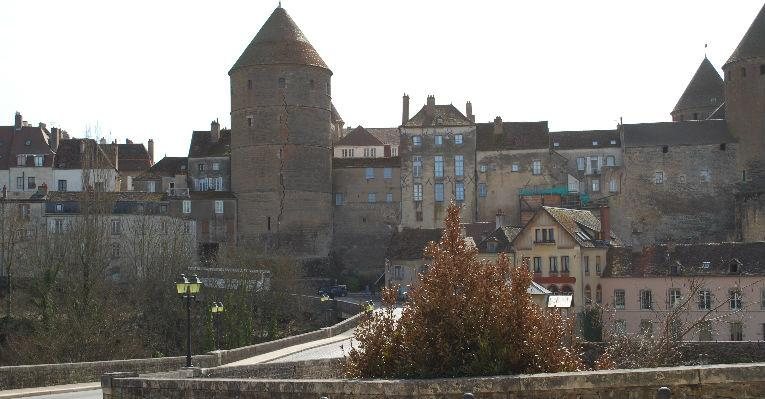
[[158, 69]]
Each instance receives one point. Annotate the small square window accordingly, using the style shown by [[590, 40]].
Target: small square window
[[416, 141], [371, 198], [458, 139], [515, 167], [339, 199], [556, 144], [594, 143], [482, 168], [216, 166], [613, 142]]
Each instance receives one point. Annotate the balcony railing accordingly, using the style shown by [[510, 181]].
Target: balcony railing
[[178, 192]]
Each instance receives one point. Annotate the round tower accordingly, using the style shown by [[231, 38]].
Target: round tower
[[281, 142], [745, 95]]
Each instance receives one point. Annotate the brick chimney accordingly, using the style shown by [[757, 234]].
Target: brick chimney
[[405, 110], [430, 106], [54, 139], [151, 150], [605, 223], [214, 131], [498, 129], [469, 111], [18, 121], [500, 219]]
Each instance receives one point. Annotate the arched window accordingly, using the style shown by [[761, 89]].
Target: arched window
[[282, 83], [587, 294], [599, 294]]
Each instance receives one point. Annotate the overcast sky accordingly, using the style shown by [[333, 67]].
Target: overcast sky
[[159, 69]]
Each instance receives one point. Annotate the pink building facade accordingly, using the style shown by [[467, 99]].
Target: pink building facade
[[717, 288]]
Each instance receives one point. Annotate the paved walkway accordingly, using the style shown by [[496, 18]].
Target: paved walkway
[[93, 390], [277, 354]]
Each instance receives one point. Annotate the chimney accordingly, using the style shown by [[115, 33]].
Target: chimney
[[151, 150], [18, 121], [469, 111], [431, 100], [605, 223], [405, 112], [214, 131], [102, 141], [42, 126], [55, 138], [498, 130], [500, 219], [128, 141]]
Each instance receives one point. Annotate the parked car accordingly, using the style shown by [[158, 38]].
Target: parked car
[[334, 291]]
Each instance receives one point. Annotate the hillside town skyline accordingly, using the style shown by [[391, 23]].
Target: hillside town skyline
[[609, 94]]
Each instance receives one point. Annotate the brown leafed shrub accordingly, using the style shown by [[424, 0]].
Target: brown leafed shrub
[[466, 318]]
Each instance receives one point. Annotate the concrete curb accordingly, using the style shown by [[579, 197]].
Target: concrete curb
[[52, 390]]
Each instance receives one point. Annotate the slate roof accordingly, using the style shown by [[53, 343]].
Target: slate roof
[[515, 136], [719, 113], [687, 260], [478, 230], [211, 195], [167, 167], [583, 225], [390, 162], [201, 146], [713, 131], [409, 244], [359, 137], [706, 89], [503, 236], [570, 140], [131, 157], [387, 135], [69, 156], [753, 43], [14, 143], [119, 196], [438, 115], [279, 41]]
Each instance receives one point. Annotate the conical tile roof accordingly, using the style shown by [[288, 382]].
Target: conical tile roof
[[753, 43], [279, 41], [706, 89]]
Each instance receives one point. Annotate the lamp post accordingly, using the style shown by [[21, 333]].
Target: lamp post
[[216, 309], [188, 288]]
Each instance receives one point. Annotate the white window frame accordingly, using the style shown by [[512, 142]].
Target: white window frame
[[458, 139], [186, 204], [389, 197], [417, 192], [39, 160], [417, 141], [612, 187], [581, 164], [459, 165], [536, 167], [658, 177], [216, 166], [675, 297], [371, 198], [416, 166], [620, 299], [218, 206]]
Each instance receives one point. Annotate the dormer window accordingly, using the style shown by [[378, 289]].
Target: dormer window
[[556, 144], [594, 143], [613, 142]]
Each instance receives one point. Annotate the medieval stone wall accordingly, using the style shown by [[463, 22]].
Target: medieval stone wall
[[692, 202]]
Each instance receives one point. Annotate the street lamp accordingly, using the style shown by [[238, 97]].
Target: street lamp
[[188, 288], [216, 309]]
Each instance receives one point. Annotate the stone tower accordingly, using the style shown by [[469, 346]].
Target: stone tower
[[281, 142], [703, 96], [745, 94]]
